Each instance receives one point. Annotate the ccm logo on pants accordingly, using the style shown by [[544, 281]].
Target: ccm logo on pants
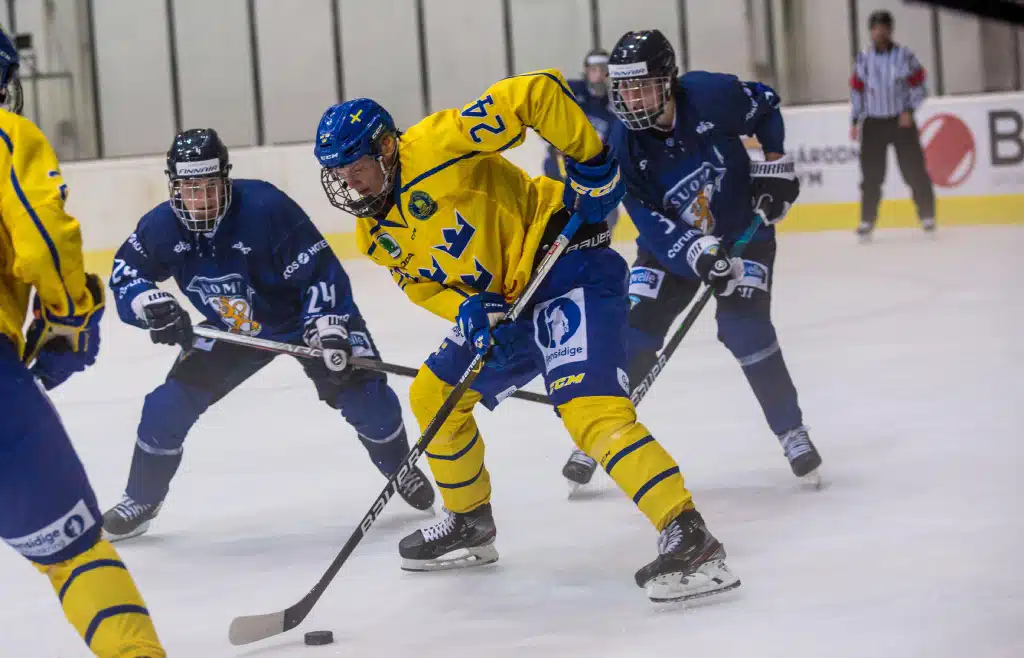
[[57, 536], [560, 329]]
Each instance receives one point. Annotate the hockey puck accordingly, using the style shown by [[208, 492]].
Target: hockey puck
[[316, 638]]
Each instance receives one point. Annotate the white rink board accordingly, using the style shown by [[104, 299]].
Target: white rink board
[[110, 196]]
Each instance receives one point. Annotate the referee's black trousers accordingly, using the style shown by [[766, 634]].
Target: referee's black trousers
[[876, 136]]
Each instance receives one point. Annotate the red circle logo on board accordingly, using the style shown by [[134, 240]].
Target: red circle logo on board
[[949, 150]]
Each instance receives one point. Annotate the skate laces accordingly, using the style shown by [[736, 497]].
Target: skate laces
[[444, 527], [795, 442], [411, 484], [670, 538], [129, 508], [580, 457]]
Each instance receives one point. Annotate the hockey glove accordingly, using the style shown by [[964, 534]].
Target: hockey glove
[[62, 346], [714, 267], [329, 333], [479, 320], [774, 187], [594, 188], [167, 321]]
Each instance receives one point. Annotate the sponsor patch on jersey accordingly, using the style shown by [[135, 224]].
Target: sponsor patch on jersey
[[56, 536], [455, 335], [645, 282], [388, 244], [755, 275], [623, 379], [421, 206], [560, 329], [505, 394], [361, 345]]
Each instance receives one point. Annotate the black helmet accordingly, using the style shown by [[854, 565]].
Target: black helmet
[[596, 57], [197, 172], [642, 68]]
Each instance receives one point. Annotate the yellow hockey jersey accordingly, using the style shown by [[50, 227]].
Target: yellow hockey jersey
[[40, 244], [467, 220]]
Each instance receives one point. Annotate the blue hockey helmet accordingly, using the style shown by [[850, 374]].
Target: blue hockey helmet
[[349, 132], [10, 87], [198, 180]]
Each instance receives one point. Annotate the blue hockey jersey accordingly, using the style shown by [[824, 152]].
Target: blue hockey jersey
[[695, 180], [598, 109], [265, 271]]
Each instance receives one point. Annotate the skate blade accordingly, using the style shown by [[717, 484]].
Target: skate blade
[[143, 527], [813, 480], [711, 578], [462, 558]]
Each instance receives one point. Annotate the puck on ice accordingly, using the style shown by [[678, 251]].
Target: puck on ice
[[315, 638]]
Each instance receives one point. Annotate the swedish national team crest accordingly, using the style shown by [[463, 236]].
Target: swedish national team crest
[[231, 298], [421, 206]]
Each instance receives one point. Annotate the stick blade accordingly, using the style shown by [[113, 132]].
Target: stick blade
[[253, 628]]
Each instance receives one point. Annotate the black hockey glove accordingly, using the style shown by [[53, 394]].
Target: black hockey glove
[[167, 321], [714, 267], [774, 187], [329, 333]]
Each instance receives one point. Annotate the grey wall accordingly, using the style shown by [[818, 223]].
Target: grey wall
[[465, 47]]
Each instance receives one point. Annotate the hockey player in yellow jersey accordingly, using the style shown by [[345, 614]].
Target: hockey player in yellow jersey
[[461, 229], [48, 510]]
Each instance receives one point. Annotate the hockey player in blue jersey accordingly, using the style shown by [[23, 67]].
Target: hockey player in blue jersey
[[251, 261], [591, 93], [692, 190]]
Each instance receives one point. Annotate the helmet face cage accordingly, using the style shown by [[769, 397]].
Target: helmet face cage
[[200, 201], [345, 198], [639, 102]]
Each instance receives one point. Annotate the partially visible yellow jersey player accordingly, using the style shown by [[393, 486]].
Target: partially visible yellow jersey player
[[462, 229], [48, 510]]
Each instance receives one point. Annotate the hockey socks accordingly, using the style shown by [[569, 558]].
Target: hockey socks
[[769, 379], [149, 477], [101, 601]]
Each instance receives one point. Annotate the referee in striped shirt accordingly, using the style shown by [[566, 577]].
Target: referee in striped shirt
[[886, 87]]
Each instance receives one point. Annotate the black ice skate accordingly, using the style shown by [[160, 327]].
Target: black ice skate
[[454, 542], [415, 489], [864, 231], [578, 470], [802, 455], [690, 564], [128, 519]]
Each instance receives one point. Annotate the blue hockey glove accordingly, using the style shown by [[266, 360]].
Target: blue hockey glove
[[594, 188], [63, 346], [480, 322], [774, 187], [713, 265]]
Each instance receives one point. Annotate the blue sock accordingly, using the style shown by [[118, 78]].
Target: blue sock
[[387, 454], [150, 475], [769, 378]]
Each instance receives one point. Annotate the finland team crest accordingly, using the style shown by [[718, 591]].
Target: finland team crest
[[692, 196], [560, 329], [231, 298]]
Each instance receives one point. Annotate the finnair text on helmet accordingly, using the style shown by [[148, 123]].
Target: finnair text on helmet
[[197, 168], [634, 70]]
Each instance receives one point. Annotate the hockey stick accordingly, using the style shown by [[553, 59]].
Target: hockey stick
[[314, 353], [691, 317], [253, 628]]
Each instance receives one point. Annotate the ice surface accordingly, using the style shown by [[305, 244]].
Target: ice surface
[[907, 354]]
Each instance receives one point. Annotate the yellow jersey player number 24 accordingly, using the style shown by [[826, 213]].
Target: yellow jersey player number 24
[[462, 229], [48, 510]]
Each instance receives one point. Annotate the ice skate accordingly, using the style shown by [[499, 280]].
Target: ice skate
[[928, 226], [802, 455], [128, 519], [690, 564], [578, 470], [415, 490], [864, 232], [454, 542]]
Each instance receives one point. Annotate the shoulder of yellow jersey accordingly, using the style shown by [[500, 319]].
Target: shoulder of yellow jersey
[[23, 137]]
